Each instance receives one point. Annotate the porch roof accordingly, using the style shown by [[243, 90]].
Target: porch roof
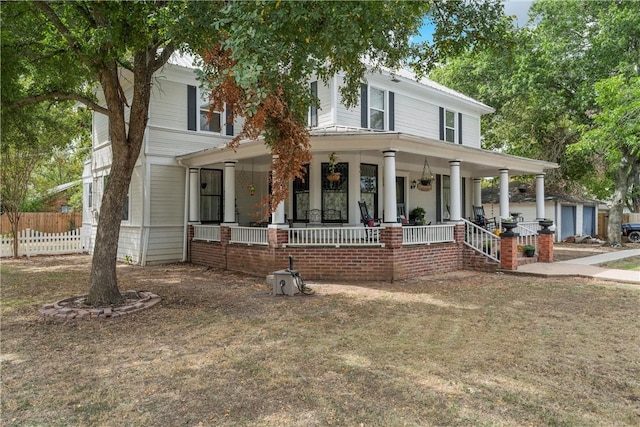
[[410, 152]]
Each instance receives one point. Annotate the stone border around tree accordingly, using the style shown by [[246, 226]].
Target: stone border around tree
[[72, 308]]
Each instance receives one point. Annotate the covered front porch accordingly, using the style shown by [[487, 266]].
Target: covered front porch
[[379, 168]]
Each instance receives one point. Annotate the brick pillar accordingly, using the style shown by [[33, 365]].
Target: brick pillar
[[545, 246], [458, 236], [278, 236], [391, 237], [190, 232], [509, 252], [225, 235]]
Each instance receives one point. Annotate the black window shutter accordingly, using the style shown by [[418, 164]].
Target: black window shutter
[[364, 107], [314, 109], [229, 121], [192, 113], [392, 113], [438, 198], [459, 128], [441, 124]]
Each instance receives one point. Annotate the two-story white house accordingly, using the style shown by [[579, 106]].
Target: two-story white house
[[190, 192]]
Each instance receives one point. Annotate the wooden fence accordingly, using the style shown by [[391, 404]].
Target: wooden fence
[[31, 242], [45, 222]]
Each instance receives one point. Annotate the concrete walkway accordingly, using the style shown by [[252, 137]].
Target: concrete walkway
[[586, 267]]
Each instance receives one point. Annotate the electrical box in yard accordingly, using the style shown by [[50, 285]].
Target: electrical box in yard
[[284, 282]]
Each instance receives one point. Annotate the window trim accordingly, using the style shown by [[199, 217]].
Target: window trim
[[385, 106], [455, 125]]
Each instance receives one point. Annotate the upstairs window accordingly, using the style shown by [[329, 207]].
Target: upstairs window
[[209, 121], [376, 109], [313, 111], [450, 126]]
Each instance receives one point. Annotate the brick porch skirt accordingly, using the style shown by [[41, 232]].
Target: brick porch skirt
[[392, 261]]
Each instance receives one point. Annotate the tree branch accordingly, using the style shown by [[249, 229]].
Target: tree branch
[[63, 30], [60, 96], [164, 56]]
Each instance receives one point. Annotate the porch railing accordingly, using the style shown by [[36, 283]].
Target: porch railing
[[335, 236], [528, 233], [207, 233], [250, 235], [428, 234], [481, 240]]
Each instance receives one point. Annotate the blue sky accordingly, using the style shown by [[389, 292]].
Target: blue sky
[[519, 8]]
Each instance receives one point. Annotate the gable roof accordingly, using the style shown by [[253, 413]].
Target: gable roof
[[187, 60]]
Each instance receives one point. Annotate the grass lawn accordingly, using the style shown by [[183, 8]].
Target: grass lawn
[[463, 348], [631, 263]]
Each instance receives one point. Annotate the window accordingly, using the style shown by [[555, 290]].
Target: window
[[301, 196], [90, 195], [369, 187], [209, 121], [313, 113], [450, 126], [211, 195], [335, 194], [376, 109]]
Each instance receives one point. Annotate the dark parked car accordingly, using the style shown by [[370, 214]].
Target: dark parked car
[[632, 231]]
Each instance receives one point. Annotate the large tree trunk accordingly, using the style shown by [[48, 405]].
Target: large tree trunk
[[622, 180], [14, 220], [126, 142]]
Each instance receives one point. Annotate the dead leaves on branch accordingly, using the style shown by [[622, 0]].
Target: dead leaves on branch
[[267, 115]]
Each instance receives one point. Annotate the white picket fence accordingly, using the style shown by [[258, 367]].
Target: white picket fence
[[32, 242]]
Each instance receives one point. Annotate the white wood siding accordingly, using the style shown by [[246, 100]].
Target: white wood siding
[[102, 158], [470, 131], [129, 243], [167, 195], [165, 244], [325, 116], [171, 143], [136, 196], [100, 131], [168, 106], [416, 117]]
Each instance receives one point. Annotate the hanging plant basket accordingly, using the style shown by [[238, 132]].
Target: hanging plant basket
[[424, 185], [425, 182], [334, 176]]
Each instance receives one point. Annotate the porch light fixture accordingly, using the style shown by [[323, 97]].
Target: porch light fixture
[[414, 184]]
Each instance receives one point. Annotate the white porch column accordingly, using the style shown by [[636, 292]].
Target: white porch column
[[194, 195], [390, 206], [277, 216], [455, 190], [230, 191], [477, 192], [540, 197], [504, 193]]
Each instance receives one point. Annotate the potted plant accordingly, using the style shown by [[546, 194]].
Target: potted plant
[[529, 250], [333, 174], [417, 214]]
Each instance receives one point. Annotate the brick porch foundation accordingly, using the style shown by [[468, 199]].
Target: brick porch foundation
[[391, 262]]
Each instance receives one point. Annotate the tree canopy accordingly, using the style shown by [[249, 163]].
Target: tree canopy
[[547, 89]]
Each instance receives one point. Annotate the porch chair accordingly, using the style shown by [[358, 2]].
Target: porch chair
[[314, 218], [367, 219], [481, 220], [402, 214]]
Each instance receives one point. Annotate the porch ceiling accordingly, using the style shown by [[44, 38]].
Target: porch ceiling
[[410, 151]]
